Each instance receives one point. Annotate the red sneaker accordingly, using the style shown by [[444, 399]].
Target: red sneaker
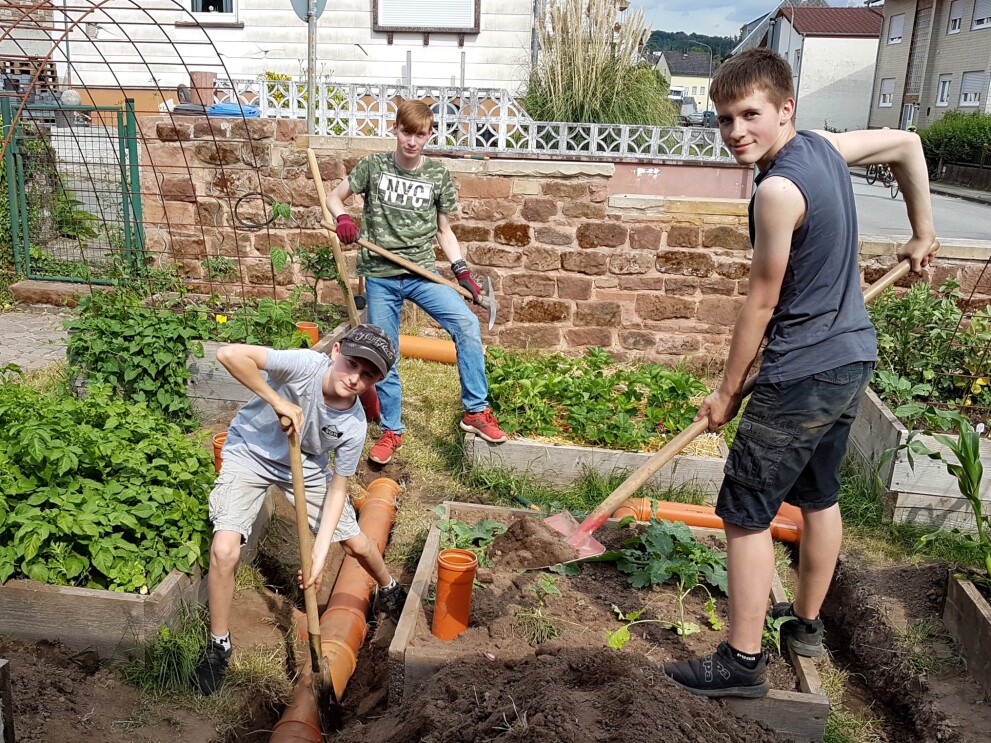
[[484, 424], [385, 447]]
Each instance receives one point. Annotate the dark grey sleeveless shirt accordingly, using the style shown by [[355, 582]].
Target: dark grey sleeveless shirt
[[820, 321]]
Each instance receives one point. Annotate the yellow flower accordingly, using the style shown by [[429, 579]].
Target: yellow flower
[[221, 319]]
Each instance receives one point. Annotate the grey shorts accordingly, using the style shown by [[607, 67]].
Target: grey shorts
[[790, 445], [238, 495]]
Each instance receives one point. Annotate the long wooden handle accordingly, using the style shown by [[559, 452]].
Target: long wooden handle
[[303, 529], [419, 270], [674, 447], [335, 245]]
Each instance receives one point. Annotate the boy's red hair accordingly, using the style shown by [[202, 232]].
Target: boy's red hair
[[415, 117]]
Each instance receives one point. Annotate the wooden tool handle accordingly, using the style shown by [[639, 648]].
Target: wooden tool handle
[[674, 447], [335, 245], [302, 526]]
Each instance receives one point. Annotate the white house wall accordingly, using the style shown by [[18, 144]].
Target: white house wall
[[273, 38], [835, 82]]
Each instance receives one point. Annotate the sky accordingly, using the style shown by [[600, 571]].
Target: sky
[[710, 17]]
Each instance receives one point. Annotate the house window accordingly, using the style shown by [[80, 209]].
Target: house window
[[701, 90], [460, 16], [798, 61], [695, 89], [972, 87], [943, 90], [956, 17], [896, 26], [982, 14], [887, 94], [213, 6]]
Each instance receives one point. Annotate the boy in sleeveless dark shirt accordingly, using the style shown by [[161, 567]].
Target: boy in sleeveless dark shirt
[[805, 299]]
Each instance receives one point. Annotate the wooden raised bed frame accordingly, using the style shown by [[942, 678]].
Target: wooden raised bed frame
[[967, 617], [927, 495], [800, 715]]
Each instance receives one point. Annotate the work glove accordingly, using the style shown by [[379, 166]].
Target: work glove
[[463, 275], [347, 231]]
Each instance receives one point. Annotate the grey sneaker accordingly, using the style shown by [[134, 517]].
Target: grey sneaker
[[803, 636], [391, 601], [212, 667]]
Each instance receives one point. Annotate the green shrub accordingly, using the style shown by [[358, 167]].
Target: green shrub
[[98, 492], [587, 73], [958, 137]]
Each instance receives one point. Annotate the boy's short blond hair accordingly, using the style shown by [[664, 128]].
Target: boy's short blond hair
[[415, 117], [751, 71]]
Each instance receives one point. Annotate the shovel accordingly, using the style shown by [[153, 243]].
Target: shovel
[[321, 684], [579, 536]]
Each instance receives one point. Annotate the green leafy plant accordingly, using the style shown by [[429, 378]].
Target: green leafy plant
[[591, 399], [139, 351], [772, 632], [319, 264], [169, 663], [536, 626], [957, 137], [269, 322], [968, 471], [475, 538], [98, 492], [221, 269]]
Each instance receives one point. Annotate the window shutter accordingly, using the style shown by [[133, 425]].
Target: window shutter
[[427, 13], [956, 9], [973, 82], [897, 25], [982, 10], [888, 86]]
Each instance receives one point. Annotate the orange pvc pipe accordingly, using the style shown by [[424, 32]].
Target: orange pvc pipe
[[428, 349], [455, 578], [785, 527], [343, 625]]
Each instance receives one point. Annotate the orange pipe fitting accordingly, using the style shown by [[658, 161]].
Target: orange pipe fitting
[[427, 349], [309, 329], [218, 444], [785, 527], [455, 578], [343, 625]]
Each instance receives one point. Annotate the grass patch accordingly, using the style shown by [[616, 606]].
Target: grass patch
[[845, 725], [927, 648], [869, 534], [169, 664], [247, 577], [49, 379]]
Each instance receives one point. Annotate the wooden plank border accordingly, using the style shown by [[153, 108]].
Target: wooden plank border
[[800, 715], [967, 617], [565, 464]]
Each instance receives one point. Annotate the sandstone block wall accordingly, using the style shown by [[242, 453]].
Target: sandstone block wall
[[572, 266]]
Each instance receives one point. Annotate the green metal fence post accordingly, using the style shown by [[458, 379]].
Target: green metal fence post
[[6, 117], [125, 200], [135, 180]]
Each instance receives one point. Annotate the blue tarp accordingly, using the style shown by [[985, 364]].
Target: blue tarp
[[234, 109]]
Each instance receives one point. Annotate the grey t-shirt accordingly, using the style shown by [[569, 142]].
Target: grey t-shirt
[[256, 440]]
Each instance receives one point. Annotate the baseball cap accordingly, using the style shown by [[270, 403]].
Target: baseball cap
[[370, 342]]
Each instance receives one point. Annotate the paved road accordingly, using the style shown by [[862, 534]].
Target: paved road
[[879, 214], [31, 339]]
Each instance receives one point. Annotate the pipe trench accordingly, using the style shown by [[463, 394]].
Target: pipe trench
[[343, 624]]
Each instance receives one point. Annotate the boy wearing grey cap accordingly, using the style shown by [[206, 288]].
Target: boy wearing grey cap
[[320, 396]]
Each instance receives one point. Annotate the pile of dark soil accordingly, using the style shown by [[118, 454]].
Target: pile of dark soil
[[567, 697], [529, 543]]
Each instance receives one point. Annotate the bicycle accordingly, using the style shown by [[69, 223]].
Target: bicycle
[[894, 189]]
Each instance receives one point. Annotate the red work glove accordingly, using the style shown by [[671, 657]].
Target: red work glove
[[463, 275], [347, 231]]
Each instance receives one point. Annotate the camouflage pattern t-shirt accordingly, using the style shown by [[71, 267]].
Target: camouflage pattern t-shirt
[[400, 212]]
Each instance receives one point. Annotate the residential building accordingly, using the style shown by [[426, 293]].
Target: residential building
[[689, 74], [832, 52], [934, 57]]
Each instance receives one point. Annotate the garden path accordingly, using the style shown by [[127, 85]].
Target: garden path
[[32, 339]]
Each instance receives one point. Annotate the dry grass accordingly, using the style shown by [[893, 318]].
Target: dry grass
[[48, 378]]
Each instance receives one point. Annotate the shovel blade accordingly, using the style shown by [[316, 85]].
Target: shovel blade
[[585, 544]]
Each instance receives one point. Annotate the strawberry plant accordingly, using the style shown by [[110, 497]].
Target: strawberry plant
[[97, 492], [591, 400]]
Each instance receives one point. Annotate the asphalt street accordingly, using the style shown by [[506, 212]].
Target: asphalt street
[[879, 214]]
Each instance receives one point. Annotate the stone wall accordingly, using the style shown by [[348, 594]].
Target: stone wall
[[572, 266]]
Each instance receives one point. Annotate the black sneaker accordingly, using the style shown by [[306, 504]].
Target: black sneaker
[[212, 667], [391, 601], [803, 636], [719, 675]]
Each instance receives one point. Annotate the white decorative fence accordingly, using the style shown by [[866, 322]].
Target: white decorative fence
[[474, 120]]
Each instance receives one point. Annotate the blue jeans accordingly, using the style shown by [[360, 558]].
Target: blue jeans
[[443, 304]]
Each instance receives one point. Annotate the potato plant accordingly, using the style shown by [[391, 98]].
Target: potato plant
[[97, 492]]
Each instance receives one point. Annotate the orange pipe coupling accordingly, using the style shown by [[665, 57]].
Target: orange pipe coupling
[[427, 349], [785, 527], [218, 445], [343, 625], [455, 578]]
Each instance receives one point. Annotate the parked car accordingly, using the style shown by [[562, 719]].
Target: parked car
[[703, 118]]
